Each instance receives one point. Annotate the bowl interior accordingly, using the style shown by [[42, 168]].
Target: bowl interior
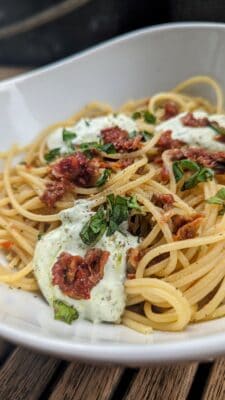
[[133, 66]]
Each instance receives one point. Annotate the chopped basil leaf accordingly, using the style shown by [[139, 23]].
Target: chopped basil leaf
[[149, 118], [103, 178], [180, 166], [87, 148], [177, 171], [132, 203], [215, 200], [201, 174], [64, 312], [112, 228], [109, 218], [96, 221], [52, 154], [88, 154], [216, 127], [218, 199], [136, 115], [117, 213], [204, 175], [68, 136], [95, 228], [39, 236], [88, 145], [190, 183], [108, 148], [87, 123], [146, 135]]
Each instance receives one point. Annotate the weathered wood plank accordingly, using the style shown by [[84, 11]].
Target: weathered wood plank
[[8, 72], [215, 386], [81, 382], [167, 382], [25, 375]]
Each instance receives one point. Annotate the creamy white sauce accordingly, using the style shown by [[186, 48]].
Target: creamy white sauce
[[197, 137], [89, 129], [107, 300]]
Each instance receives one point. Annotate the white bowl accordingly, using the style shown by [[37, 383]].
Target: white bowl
[[131, 66]]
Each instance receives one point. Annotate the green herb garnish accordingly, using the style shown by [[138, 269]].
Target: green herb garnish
[[103, 178], [204, 175], [146, 135], [201, 174], [68, 136], [132, 203], [117, 212], [95, 228], [52, 155], [108, 148], [148, 117], [136, 115], [88, 145], [87, 148], [39, 236], [64, 312], [218, 199], [108, 219], [180, 166], [216, 127]]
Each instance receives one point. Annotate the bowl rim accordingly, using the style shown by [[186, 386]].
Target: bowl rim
[[195, 348], [110, 42]]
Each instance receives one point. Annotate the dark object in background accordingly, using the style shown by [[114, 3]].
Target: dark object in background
[[197, 10], [74, 29], [91, 23]]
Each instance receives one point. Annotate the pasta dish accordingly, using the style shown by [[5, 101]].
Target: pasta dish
[[119, 215]]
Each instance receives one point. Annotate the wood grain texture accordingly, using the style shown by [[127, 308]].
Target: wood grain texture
[[25, 375], [8, 72], [215, 386], [160, 383], [83, 382]]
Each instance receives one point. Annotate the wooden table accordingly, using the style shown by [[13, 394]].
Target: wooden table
[[25, 375]]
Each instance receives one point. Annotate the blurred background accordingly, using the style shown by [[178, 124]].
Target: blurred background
[[36, 32]]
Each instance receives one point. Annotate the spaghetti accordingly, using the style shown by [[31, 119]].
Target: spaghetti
[[179, 276]]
